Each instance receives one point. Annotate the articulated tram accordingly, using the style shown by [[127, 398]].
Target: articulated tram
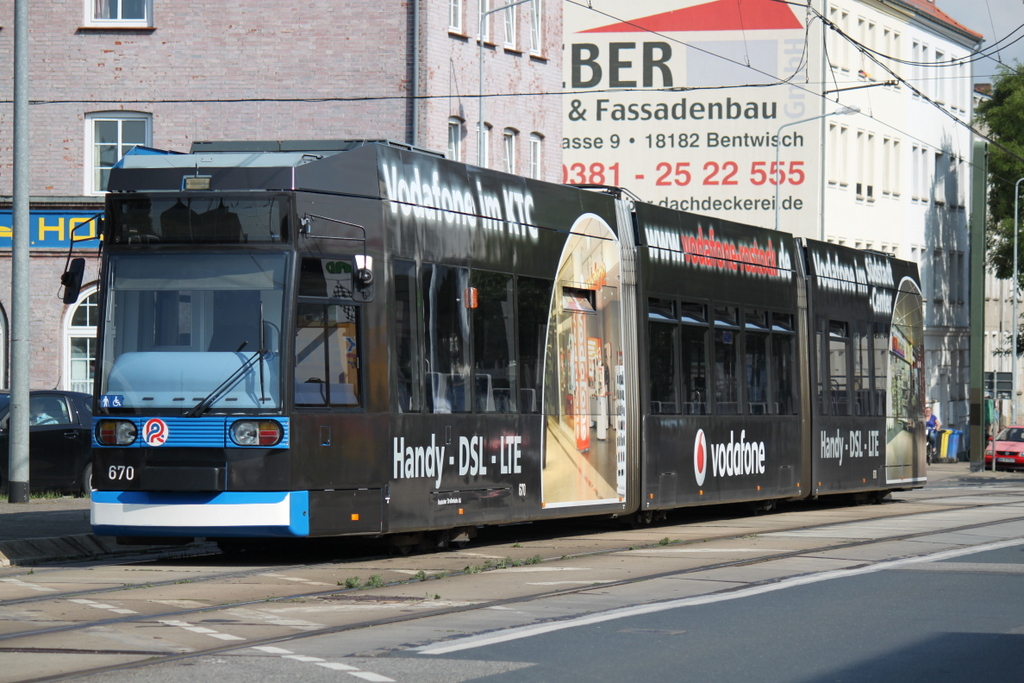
[[361, 338]]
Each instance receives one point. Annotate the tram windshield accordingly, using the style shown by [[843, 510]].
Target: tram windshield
[[193, 332], [188, 219]]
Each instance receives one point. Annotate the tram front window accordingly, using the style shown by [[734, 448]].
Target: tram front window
[[183, 329]]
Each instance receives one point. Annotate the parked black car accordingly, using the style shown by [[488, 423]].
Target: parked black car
[[60, 441]]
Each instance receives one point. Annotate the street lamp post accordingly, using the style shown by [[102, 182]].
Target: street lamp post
[[1016, 286], [480, 39], [778, 147]]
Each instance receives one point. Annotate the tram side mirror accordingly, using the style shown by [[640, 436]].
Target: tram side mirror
[[71, 280]]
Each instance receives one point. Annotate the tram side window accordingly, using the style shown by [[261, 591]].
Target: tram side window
[[861, 374], [533, 299], [838, 355], [755, 325], [727, 385], [663, 331], [326, 355], [407, 351], [694, 368], [446, 338], [783, 363], [493, 342], [820, 330], [880, 350]]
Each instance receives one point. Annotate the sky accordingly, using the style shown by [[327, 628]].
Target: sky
[[994, 19]]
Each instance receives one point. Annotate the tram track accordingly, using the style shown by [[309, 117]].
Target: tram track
[[181, 616], [263, 569]]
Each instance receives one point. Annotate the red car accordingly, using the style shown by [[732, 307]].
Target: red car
[[1008, 448]]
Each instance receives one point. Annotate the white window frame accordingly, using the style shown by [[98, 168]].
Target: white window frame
[[78, 332], [511, 26], [455, 137], [509, 138], [537, 27], [91, 119], [485, 35], [536, 155], [455, 15], [92, 20], [485, 162]]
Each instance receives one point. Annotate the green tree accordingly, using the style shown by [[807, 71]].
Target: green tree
[[1003, 117]]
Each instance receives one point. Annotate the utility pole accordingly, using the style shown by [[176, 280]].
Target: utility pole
[[18, 471]]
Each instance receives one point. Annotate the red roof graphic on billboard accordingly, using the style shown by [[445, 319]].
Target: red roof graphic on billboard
[[718, 15]]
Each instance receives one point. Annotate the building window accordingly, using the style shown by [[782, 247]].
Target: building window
[[455, 15], [80, 342], [483, 23], [536, 143], [833, 153], [455, 134], [536, 26], [119, 13], [484, 151], [510, 26], [844, 154], [109, 135], [508, 143]]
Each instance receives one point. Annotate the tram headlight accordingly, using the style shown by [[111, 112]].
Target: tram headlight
[[116, 432], [256, 432]]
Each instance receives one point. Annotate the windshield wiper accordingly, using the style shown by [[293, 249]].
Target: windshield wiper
[[231, 381]]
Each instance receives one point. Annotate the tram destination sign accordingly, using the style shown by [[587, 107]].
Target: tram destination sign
[[650, 106]]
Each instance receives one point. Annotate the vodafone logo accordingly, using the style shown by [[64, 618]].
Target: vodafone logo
[[700, 457], [733, 459]]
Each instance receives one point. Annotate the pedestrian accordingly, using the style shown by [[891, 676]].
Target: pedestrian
[[932, 426]]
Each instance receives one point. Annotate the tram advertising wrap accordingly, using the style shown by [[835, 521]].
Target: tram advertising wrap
[[648, 107], [341, 338]]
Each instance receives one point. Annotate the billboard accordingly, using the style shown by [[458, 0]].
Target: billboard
[[696, 106], [52, 229]]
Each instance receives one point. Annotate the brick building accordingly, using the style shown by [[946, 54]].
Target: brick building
[[167, 74]]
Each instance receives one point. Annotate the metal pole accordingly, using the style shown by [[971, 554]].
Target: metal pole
[[1016, 286], [18, 469], [480, 41], [778, 147]]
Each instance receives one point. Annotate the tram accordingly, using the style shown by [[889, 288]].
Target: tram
[[363, 338]]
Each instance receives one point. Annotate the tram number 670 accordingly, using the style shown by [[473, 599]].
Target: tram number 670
[[118, 472]]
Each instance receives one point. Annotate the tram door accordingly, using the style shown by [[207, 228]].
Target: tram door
[[584, 445]]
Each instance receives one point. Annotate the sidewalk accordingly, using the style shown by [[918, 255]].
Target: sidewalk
[[48, 530], [54, 529]]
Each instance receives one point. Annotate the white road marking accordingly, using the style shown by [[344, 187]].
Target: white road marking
[[198, 629], [518, 633], [31, 586], [335, 666], [100, 605]]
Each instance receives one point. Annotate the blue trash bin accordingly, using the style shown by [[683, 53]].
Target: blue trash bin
[[953, 449]]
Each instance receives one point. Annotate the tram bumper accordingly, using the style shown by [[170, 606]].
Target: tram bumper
[[231, 514]]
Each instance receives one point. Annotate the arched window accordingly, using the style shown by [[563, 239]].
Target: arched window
[[80, 342]]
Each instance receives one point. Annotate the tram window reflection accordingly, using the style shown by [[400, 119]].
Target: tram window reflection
[[663, 368], [446, 338], [408, 352], [533, 298], [493, 342]]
